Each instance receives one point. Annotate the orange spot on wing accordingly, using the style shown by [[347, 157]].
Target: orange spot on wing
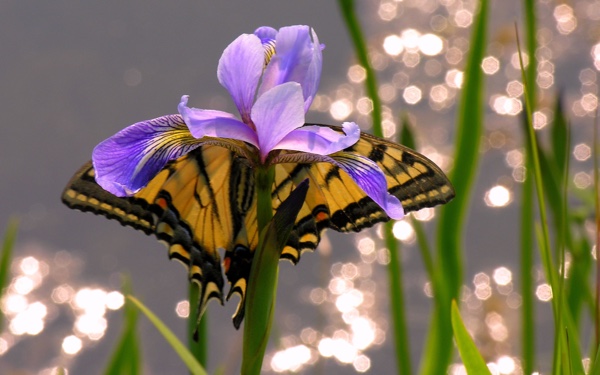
[[162, 203], [226, 264], [321, 216]]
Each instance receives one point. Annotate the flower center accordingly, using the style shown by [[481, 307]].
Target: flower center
[[269, 47]]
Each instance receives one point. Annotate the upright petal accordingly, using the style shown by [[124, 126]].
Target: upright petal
[[239, 71], [128, 160], [320, 140], [276, 113], [218, 124], [265, 33], [370, 178], [297, 59], [313, 74]]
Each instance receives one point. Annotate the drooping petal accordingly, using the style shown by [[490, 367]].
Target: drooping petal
[[276, 113], [218, 124], [297, 59], [239, 71], [127, 161], [369, 177], [320, 139]]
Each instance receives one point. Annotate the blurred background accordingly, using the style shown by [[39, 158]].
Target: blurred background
[[73, 73]]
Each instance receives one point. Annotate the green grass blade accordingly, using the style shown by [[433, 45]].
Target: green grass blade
[[186, 356], [126, 358], [449, 264], [395, 279], [397, 302], [527, 275], [469, 132], [595, 370], [543, 238], [596, 313], [360, 48], [394, 270], [571, 342], [531, 46], [560, 137], [527, 216], [10, 237], [407, 137], [473, 361]]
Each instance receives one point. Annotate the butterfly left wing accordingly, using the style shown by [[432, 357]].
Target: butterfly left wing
[[188, 205]]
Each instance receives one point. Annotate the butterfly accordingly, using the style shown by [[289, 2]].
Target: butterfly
[[206, 200]]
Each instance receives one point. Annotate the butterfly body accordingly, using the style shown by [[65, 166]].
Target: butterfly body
[[206, 200]]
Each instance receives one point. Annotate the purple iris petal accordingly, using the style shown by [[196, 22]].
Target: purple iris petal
[[240, 69], [276, 113], [297, 59], [218, 124], [320, 139], [371, 179], [127, 161]]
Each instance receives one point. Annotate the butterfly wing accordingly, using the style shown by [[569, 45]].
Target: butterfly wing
[[335, 201], [206, 200], [189, 205]]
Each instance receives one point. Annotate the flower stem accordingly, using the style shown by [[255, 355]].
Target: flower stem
[[264, 185], [197, 346], [262, 284]]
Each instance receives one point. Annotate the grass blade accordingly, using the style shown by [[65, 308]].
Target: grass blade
[[566, 341], [360, 48], [595, 370], [396, 291], [449, 265], [126, 358], [186, 356], [474, 363], [527, 216], [596, 315], [10, 237], [397, 302], [527, 275]]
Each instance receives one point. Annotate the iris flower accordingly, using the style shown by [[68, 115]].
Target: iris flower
[[272, 77]]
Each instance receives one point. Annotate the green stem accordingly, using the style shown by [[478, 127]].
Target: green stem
[[262, 284], [264, 187]]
